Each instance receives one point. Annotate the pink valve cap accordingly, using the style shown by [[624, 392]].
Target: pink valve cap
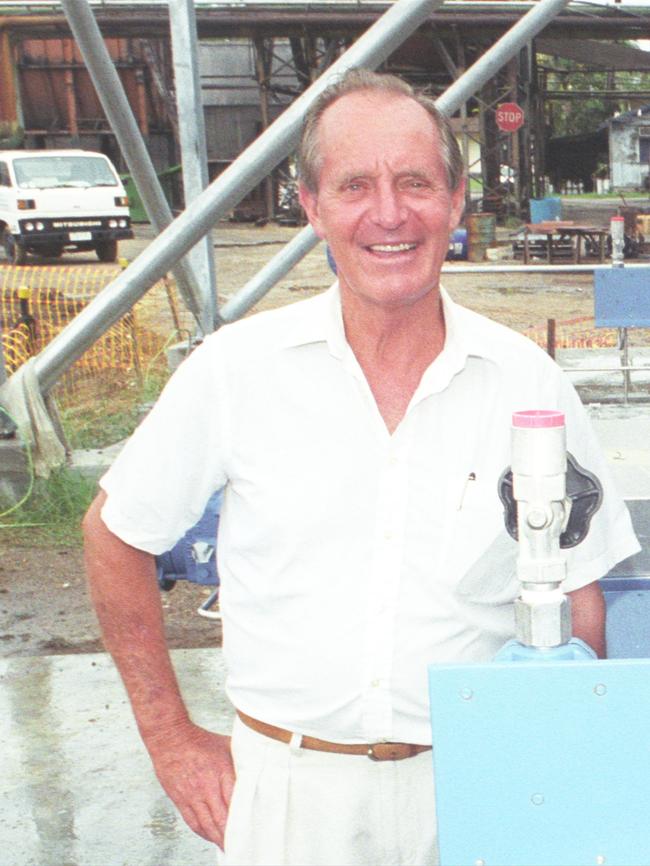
[[538, 418]]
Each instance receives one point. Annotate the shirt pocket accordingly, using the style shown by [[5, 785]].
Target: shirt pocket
[[479, 558]]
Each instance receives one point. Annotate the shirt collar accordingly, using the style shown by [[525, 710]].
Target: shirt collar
[[466, 333], [322, 321]]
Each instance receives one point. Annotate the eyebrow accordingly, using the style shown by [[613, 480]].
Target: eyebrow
[[421, 175], [361, 175], [355, 175]]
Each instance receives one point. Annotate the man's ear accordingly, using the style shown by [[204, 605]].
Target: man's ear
[[457, 205], [309, 202]]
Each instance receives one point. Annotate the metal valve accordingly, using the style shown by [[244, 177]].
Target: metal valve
[[549, 500]]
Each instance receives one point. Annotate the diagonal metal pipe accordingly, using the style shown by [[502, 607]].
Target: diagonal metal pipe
[[503, 50], [120, 116], [371, 49], [273, 271], [253, 165]]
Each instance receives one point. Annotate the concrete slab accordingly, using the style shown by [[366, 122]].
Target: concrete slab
[[597, 376], [77, 788], [624, 434], [14, 470], [93, 462]]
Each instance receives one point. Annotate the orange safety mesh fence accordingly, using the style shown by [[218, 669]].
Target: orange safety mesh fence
[[134, 346], [578, 333], [36, 303]]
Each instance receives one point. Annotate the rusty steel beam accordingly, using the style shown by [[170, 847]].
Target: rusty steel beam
[[70, 94], [8, 96], [481, 21]]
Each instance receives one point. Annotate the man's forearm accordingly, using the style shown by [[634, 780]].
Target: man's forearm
[[588, 616], [125, 594], [194, 766]]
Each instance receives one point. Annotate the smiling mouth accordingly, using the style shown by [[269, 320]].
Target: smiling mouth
[[391, 248]]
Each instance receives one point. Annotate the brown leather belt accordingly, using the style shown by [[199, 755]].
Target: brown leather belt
[[374, 751]]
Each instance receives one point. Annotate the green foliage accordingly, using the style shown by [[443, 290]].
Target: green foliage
[[617, 197], [52, 514], [576, 116], [12, 135], [108, 412], [99, 425]]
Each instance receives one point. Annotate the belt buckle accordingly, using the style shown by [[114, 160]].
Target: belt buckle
[[389, 751]]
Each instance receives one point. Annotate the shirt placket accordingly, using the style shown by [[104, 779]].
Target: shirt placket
[[385, 574]]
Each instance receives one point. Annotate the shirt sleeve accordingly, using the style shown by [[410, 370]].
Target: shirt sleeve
[[160, 483]]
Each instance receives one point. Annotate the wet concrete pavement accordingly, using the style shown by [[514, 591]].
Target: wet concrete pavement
[[77, 788]]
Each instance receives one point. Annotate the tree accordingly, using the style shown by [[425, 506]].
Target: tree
[[577, 115]]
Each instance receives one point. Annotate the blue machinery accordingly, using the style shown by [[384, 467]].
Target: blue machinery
[[194, 558], [542, 758]]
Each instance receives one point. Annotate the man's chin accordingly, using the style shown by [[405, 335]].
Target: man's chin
[[390, 296]]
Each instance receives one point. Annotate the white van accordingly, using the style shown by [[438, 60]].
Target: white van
[[53, 201]]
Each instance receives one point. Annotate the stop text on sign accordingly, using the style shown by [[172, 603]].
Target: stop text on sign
[[509, 117]]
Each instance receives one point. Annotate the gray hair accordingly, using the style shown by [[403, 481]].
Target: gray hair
[[353, 81]]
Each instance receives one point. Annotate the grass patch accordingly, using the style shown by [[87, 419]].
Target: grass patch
[[51, 514], [606, 196], [95, 412], [106, 409]]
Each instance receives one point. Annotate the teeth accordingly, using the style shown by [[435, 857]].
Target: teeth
[[392, 248]]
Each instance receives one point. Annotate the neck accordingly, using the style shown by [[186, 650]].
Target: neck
[[394, 346], [396, 335]]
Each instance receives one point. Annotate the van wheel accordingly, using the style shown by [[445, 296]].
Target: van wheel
[[15, 252], [106, 251]]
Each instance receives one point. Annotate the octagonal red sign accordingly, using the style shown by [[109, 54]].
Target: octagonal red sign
[[509, 116]]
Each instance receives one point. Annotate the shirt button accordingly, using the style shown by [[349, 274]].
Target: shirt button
[[375, 684], [388, 535]]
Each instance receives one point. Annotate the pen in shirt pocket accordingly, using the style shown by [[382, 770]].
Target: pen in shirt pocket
[[471, 477]]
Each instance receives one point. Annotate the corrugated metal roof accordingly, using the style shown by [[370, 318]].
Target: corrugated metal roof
[[590, 7], [604, 55]]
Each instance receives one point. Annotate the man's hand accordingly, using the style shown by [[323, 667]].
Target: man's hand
[[193, 765], [195, 768]]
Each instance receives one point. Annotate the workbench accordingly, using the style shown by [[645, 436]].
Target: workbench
[[583, 238]]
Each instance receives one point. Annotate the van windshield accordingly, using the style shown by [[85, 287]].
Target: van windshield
[[50, 172]]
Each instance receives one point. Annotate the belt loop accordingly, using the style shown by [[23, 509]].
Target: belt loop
[[295, 743]]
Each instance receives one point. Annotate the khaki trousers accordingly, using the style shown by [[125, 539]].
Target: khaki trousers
[[293, 807]]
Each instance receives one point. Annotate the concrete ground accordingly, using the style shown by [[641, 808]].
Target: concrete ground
[[77, 787]]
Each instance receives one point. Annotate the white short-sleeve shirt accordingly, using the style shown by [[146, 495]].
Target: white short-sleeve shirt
[[351, 558]]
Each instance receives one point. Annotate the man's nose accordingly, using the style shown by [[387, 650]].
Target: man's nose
[[388, 209]]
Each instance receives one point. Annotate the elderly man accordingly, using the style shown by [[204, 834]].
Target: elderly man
[[360, 436]]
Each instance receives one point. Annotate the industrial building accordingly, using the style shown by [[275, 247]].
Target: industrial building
[[256, 57]]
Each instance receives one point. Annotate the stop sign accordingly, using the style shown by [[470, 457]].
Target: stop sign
[[509, 117]]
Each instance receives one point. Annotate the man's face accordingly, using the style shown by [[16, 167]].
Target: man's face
[[383, 202]]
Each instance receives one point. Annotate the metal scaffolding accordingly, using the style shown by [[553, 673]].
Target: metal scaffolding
[[380, 41], [245, 173]]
